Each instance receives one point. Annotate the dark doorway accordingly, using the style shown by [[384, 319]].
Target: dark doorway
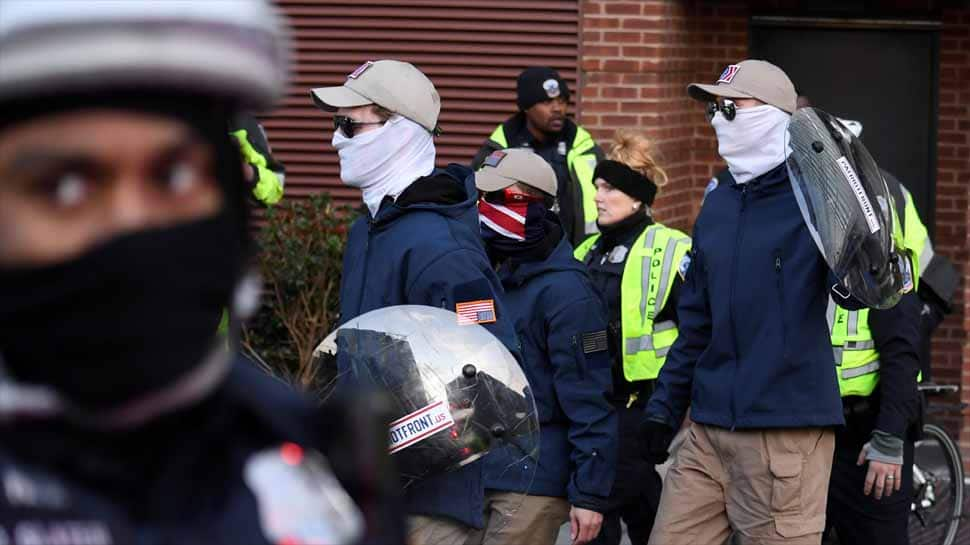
[[885, 77]]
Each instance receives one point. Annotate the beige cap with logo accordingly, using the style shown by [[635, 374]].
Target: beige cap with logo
[[394, 85], [509, 166], [750, 79]]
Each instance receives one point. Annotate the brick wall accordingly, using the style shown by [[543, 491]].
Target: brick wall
[[638, 57], [951, 346]]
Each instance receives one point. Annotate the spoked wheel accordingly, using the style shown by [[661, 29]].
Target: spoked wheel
[[937, 489]]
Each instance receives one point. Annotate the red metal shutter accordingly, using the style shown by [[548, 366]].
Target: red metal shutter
[[471, 50]]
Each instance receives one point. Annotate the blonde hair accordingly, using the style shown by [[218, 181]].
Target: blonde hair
[[636, 151]]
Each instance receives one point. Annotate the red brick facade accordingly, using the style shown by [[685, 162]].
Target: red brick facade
[[637, 57]]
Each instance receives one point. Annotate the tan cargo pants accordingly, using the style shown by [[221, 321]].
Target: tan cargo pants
[[510, 519], [768, 485], [516, 519]]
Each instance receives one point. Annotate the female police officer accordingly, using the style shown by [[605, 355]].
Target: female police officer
[[122, 232], [634, 263]]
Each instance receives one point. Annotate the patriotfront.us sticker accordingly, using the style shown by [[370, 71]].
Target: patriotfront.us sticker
[[419, 425]]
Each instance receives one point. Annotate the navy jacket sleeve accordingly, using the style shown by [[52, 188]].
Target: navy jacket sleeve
[[582, 382], [459, 276], [673, 388], [896, 333]]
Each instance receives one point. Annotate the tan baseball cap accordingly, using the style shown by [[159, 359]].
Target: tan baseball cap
[[394, 85], [750, 79], [509, 166]]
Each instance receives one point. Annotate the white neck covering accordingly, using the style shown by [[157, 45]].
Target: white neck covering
[[385, 161], [754, 142]]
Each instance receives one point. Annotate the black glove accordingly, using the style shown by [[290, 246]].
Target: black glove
[[655, 438]]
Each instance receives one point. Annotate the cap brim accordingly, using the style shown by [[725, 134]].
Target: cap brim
[[706, 93], [331, 98], [487, 180]]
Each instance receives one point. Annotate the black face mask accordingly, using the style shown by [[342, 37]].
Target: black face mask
[[125, 319]]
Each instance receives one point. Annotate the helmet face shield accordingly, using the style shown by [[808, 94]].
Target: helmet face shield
[[846, 204], [459, 398]]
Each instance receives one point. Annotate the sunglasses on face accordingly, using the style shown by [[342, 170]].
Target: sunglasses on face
[[348, 126], [726, 106]]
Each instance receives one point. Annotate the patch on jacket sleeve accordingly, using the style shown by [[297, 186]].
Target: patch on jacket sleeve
[[476, 312], [594, 341], [299, 498], [684, 266]]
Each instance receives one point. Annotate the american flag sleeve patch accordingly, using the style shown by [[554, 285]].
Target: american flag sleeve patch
[[476, 312], [594, 342]]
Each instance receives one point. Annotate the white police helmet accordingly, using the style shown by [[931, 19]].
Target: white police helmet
[[232, 49]]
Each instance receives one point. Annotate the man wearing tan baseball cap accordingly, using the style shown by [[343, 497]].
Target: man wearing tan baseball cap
[[418, 244], [549, 294], [753, 358]]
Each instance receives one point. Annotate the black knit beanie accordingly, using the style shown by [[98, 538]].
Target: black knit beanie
[[538, 84]]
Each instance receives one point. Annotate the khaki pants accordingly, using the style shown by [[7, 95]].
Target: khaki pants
[[424, 530], [768, 485], [514, 519]]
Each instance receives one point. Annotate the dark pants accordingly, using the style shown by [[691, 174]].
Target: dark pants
[[636, 490], [859, 519]]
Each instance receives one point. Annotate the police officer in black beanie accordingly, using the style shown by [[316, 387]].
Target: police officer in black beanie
[[542, 125], [637, 265]]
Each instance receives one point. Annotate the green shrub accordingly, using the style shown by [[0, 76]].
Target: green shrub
[[300, 258]]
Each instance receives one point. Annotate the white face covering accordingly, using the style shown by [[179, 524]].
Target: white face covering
[[385, 161], [754, 142]]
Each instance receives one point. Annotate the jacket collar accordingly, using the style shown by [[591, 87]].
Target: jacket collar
[[452, 174], [766, 181]]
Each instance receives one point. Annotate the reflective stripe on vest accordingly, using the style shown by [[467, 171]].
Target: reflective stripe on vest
[[915, 236], [648, 276], [582, 163], [854, 351]]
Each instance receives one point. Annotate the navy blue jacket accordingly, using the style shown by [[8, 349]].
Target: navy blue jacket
[[427, 251], [555, 310], [754, 349]]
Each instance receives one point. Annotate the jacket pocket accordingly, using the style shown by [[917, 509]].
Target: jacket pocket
[[786, 483]]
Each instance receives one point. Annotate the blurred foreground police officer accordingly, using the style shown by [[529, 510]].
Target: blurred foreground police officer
[[561, 324], [637, 265], [123, 420], [541, 125], [419, 243]]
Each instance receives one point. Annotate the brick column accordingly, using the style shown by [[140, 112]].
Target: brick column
[[951, 347], [638, 58]]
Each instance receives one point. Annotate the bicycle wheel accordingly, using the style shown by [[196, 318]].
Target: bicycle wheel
[[937, 489]]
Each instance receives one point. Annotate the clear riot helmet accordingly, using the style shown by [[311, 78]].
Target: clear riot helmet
[[847, 207], [458, 397]]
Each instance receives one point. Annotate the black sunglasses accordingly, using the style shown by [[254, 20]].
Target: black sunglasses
[[348, 126], [727, 108]]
